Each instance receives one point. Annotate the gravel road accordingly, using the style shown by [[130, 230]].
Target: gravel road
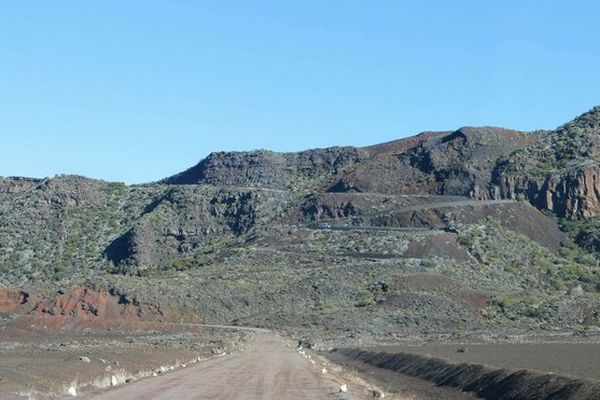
[[268, 370]]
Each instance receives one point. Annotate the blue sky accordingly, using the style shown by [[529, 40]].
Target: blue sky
[[138, 90]]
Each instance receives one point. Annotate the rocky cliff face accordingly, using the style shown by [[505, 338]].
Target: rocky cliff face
[[575, 195], [558, 172]]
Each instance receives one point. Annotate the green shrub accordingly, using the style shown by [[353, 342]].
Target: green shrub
[[59, 272], [365, 298], [558, 284], [466, 240]]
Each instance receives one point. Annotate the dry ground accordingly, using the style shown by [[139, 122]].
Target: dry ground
[[580, 360], [45, 363]]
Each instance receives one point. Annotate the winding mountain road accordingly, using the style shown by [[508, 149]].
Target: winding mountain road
[[267, 370]]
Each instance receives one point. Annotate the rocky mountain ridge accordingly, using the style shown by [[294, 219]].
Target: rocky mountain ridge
[[555, 170], [262, 168]]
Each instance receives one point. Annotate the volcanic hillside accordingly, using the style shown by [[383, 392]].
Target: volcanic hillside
[[478, 229]]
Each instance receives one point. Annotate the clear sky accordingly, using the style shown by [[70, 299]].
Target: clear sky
[[138, 90]]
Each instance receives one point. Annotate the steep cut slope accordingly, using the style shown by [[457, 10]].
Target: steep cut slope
[[102, 308], [491, 383]]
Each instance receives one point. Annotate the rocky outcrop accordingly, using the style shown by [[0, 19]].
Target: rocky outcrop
[[441, 163], [576, 195], [12, 300], [101, 308], [558, 172], [188, 218], [72, 191], [17, 184], [269, 169]]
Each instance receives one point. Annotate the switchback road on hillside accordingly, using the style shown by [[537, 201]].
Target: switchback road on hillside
[[429, 206], [267, 370]]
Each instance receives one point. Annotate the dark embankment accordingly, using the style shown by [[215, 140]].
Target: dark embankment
[[483, 381]]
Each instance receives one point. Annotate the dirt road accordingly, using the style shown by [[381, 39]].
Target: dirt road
[[268, 370]]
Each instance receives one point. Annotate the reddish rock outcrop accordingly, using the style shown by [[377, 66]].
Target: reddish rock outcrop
[[12, 300], [101, 308]]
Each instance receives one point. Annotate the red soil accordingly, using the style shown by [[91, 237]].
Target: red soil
[[12, 301], [100, 309]]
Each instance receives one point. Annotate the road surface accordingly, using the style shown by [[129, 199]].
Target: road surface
[[267, 370]]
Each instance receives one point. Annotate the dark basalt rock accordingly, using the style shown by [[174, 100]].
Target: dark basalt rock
[[269, 169]]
